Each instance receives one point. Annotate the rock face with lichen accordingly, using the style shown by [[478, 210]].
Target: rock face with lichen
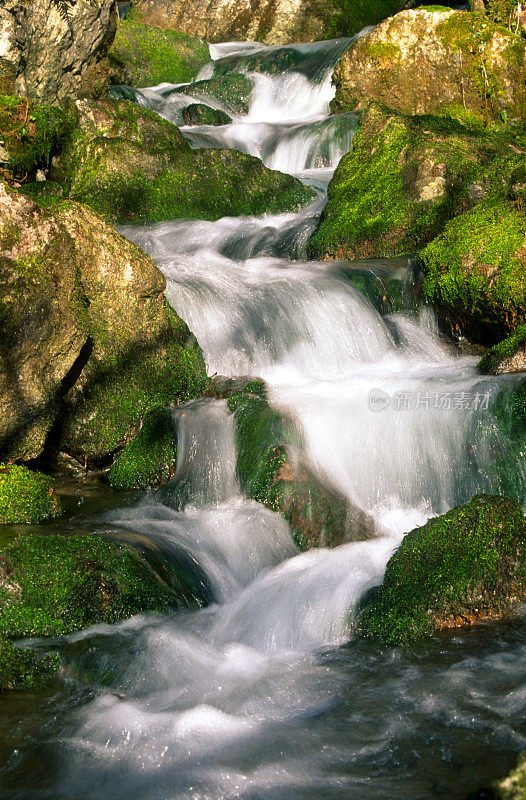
[[88, 342], [462, 567], [269, 21], [132, 166], [52, 50], [436, 62], [406, 177]]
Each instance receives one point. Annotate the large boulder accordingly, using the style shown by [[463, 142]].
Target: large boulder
[[475, 271], [508, 356], [26, 496], [151, 55], [436, 62], [270, 470], [131, 165], [269, 21], [462, 567], [405, 177], [51, 50], [88, 341]]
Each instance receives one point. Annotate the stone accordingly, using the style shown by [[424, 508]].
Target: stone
[[88, 343], [447, 62], [269, 21], [48, 47], [506, 356], [460, 568]]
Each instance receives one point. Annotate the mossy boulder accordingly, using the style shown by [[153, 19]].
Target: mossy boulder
[[151, 55], [277, 22], [132, 166], [405, 177], [26, 496], [506, 356], [53, 585], [151, 457], [201, 114], [270, 470], [436, 62], [459, 568], [475, 271], [89, 343], [233, 91], [24, 670], [29, 134]]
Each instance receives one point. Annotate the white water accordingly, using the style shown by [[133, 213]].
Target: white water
[[247, 698]]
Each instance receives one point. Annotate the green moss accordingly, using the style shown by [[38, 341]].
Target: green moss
[[201, 114], [46, 193], [53, 585], [491, 361], [232, 90], [23, 670], [26, 496], [150, 459], [348, 17], [131, 381], [142, 170], [30, 133], [474, 274], [153, 56], [405, 177], [384, 51], [465, 565]]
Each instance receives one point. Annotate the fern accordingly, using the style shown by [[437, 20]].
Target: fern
[[64, 8]]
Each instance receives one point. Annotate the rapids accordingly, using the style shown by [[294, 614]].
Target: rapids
[[263, 694]]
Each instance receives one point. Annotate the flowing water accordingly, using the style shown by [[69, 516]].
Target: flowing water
[[264, 694]]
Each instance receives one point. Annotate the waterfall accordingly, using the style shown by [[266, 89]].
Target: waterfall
[[263, 694]]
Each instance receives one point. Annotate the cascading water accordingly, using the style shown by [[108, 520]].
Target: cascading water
[[255, 696]]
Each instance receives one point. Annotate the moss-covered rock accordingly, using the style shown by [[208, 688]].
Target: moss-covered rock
[[506, 356], [405, 177], [270, 471], [24, 670], [130, 165], [150, 458], [232, 90], [459, 568], [151, 55], [53, 585], [436, 62], [276, 22], [201, 114], [29, 134], [26, 496], [475, 271], [509, 13], [89, 343]]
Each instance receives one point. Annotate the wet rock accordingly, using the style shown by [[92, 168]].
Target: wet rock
[[405, 177], [436, 62], [88, 342], [271, 471], [51, 51], [507, 356], [475, 271], [26, 496], [201, 114], [151, 56], [53, 585], [460, 568], [233, 91], [24, 670], [130, 165], [270, 21], [151, 457]]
